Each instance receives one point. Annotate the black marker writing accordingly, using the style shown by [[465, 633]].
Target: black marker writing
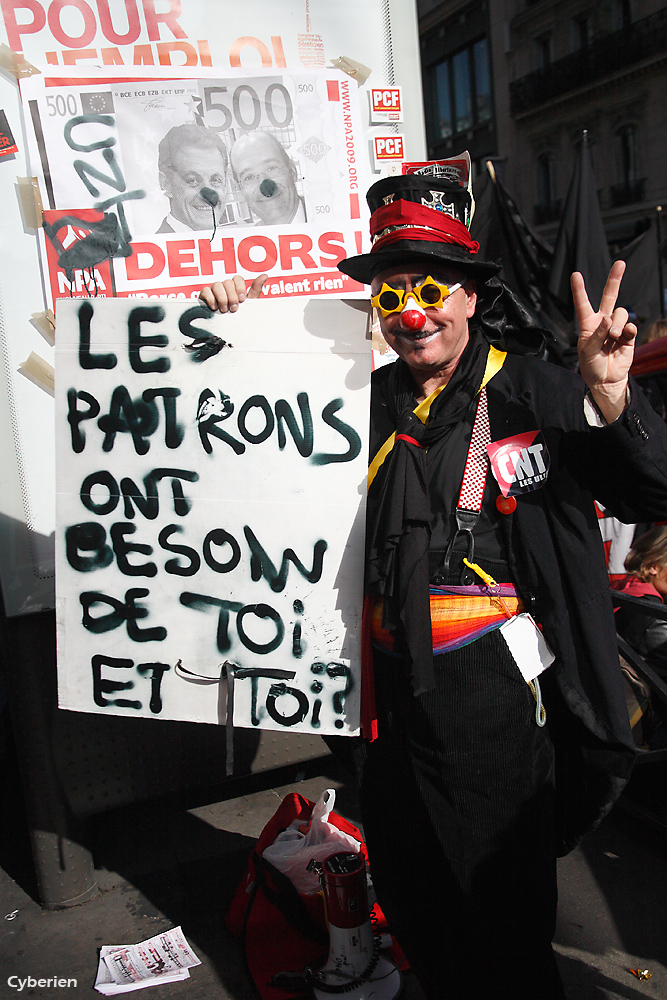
[[282, 416], [138, 417], [260, 611], [303, 439], [126, 612], [220, 537], [254, 673], [262, 566], [204, 344], [89, 361], [87, 548], [157, 671], [89, 536], [201, 602], [279, 691], [340, 670], [75, 416], [261, 403], [103, 686], [348, 432], [117, 243], [137, 340], [85, 171], [173, 566], [121, 549], [173, 431], [147, 503]]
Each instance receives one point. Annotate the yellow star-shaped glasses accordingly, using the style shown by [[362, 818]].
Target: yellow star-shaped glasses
[[430, 294]]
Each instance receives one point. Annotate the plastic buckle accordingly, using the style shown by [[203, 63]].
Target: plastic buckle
[[466, 521]]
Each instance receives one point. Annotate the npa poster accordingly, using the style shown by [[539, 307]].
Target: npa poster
[[211, 480], [156, 186]]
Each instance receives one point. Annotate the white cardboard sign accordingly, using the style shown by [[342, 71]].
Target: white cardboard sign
[[210, 510]]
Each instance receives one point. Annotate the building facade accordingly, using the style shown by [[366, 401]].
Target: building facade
[[518, 81]]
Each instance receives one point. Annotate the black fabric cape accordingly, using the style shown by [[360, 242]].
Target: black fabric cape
[[398, 515], [557, 562]]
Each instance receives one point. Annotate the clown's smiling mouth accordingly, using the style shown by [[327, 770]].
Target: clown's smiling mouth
[[416, 335]]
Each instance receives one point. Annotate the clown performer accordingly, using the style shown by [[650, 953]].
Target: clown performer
[[500, 730]]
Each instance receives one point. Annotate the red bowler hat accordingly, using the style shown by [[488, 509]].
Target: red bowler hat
[[417, 218]]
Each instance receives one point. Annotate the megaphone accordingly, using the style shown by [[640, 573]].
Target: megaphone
[[354, 966]]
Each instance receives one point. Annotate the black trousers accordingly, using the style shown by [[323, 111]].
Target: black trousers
[[457, 805]]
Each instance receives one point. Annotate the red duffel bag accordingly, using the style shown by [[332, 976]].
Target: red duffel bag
[[283, 930]]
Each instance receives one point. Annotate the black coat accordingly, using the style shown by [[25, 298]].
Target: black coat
[[557, 561]]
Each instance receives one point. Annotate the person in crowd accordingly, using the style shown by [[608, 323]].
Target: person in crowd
[[500, 732], [267, 177], [654, 387], [646, 568], [192, 168], [656, 331]]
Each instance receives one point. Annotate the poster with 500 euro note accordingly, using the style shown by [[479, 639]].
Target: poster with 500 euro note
[[159, 183], [210, 495]]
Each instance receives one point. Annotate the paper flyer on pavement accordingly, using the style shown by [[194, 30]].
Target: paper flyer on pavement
[[165, 958]]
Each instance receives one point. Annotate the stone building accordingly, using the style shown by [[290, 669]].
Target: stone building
[[517, 81]]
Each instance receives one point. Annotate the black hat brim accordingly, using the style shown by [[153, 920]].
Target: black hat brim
[[365, 267]]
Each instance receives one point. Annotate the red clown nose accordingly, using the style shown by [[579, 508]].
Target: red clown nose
[[413, 316]]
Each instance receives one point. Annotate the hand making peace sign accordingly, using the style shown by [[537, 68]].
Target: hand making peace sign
[[606, 343]]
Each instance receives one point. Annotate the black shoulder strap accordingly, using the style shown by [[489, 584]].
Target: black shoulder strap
[[286, 899]]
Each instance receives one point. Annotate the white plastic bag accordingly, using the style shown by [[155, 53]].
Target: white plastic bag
[[293, 850]]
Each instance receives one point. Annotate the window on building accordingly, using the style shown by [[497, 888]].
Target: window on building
[[480, 55], [627, 142], [542, 49], [545, 179], [621, 14], [443, 102], [548, 207], [581, 33], [461, 90], [631, 187]]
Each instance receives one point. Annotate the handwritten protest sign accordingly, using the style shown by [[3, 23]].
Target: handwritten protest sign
[[210, 510], [155, 186]]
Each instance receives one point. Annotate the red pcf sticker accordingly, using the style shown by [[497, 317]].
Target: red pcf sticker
[[520, 463]]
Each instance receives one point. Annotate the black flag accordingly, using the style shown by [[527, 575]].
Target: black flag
[[582, 243], [525, 257], [640, 287]]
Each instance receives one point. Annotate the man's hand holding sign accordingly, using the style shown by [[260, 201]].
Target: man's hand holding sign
[[227, 295]]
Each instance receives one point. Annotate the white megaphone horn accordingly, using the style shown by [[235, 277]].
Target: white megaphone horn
[[355, 966]]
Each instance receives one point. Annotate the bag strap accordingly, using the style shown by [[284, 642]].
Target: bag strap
[[286, 899]]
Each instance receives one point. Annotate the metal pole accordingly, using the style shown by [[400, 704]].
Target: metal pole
[[658, 217]]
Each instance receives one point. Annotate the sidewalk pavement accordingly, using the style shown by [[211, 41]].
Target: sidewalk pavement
[[161, 865]]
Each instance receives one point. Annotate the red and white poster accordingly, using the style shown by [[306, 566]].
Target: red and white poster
[[386, 104], [155, 186]]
